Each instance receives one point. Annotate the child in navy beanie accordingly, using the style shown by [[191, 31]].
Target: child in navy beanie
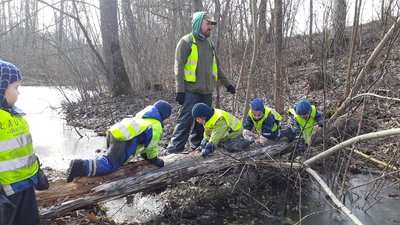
[[135, 136], [265, 121], [20, 173], [8, 75], [220, 127]]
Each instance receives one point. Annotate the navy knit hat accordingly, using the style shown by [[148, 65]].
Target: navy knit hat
[[202, 110], [257, 105], [8, 75], [302, 107], [164, 108]]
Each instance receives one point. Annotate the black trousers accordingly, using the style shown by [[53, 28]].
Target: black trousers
[[25, 210], [185, 123]]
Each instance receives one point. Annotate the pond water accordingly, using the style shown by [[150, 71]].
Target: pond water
[[57, 143]]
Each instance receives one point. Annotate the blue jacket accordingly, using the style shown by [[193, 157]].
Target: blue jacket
[[145, 137], [266, 126]]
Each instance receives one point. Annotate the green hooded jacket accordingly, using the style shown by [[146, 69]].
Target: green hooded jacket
[[204, 78]]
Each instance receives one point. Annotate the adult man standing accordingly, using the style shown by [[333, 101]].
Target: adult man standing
[[197, 69]]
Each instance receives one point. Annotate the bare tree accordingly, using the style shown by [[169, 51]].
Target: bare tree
[[338, 24], [256, 34], [198, 5], [116, 75], [310, 28], [279, 70], [357, 10]]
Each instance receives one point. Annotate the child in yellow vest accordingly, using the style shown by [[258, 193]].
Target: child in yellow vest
[[220, 127], [304, 118], [265, 121], [18, 162]]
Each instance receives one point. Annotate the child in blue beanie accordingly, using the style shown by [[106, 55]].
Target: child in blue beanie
[[303, 119], [130, 137], [18, 163], [220, 127], [265, 121]]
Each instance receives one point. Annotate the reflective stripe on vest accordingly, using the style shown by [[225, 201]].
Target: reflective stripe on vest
[[191, 64], [17, 159], [129, 128], [307, 126], [231, 120], [267, 111]]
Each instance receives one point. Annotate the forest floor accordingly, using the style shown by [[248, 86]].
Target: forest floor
[[220, 199]]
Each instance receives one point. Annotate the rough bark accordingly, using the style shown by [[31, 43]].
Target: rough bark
[[279, 71], [140, 176], [116, 75]]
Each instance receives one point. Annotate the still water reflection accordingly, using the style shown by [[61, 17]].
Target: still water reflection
[[54, 141]]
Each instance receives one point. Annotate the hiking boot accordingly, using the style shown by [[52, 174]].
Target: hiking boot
[[75, 169]]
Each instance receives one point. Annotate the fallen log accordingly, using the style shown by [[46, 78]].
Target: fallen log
[[140, 176]]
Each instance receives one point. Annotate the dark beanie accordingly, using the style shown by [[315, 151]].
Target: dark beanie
[[257, 105], [202, 110], [164, 108], [302, 107], [8, 75]]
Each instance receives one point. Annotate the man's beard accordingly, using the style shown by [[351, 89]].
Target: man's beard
[[207, 33]]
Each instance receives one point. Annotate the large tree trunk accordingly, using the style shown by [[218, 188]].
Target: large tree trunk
[[140, 176], [116, 74]]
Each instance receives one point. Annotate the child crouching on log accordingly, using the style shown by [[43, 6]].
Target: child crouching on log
[[130, 137]]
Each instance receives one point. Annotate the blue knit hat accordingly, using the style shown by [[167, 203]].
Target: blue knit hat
[[202, 110], [257, 105], [302, 107], [164, 108], [8, 75]]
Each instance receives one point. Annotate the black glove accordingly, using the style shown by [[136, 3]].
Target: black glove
[[209, 149], [143, 155], [180, 97], [43, 182], [231, 89], [156, 161], [203, 143]]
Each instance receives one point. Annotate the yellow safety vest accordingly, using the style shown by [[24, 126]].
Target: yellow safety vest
[[129, 128], [307, 126], [258, 124], [231, 120], [17, 158], [191, 64]]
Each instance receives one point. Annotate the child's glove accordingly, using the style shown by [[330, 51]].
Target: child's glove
[[263, 140], [156, 161], [248, 135], [203, 143], [209, 149]]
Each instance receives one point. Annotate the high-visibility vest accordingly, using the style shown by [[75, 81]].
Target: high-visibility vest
[[191, 64], [307, 126], [17, 158], [129, 128], [267, 111], [233, 122]]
